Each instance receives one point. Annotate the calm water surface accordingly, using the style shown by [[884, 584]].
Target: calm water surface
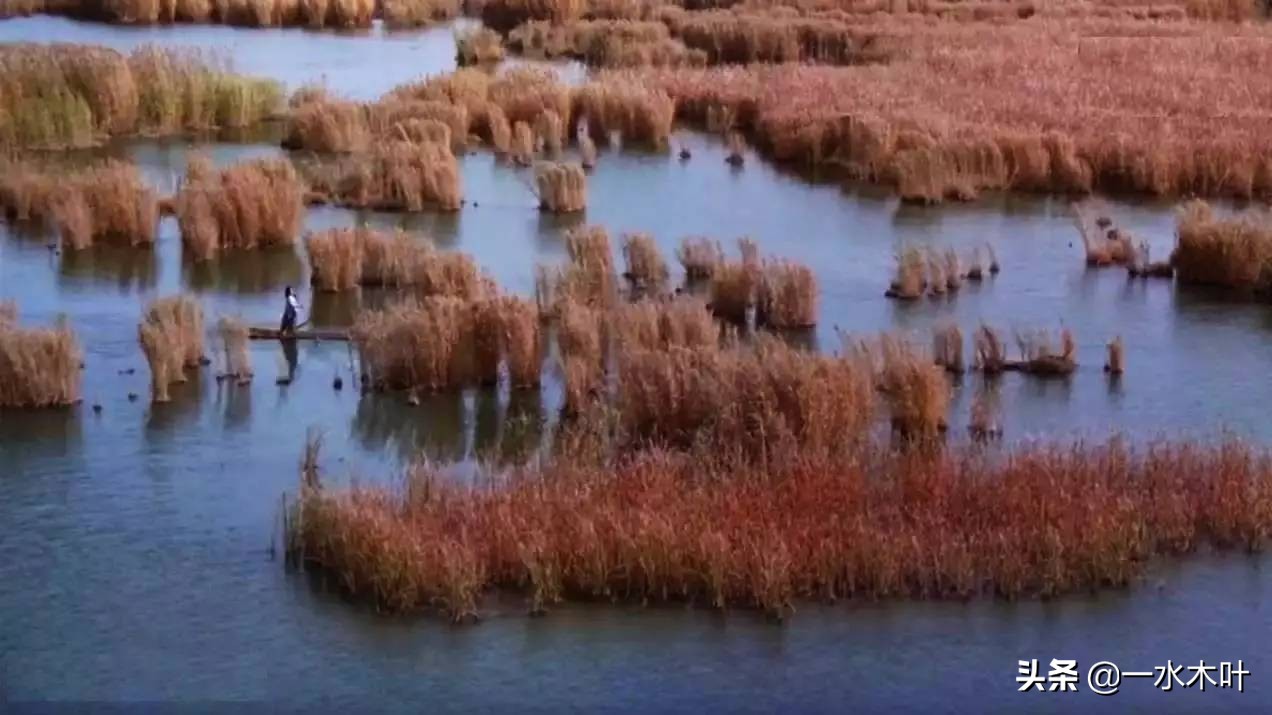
[[137, 543]]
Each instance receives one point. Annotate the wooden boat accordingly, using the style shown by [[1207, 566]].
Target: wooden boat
[[299, 334]]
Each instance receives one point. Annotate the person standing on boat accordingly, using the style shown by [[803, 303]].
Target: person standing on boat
[[290, 309]]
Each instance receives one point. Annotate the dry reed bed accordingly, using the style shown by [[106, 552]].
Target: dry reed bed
[[1040, 520], [171, 336], [59, 96], [246, 206], [107, 202], [1067, 106], [345, 258], [39, 367], [406, 174], [1233, 252]]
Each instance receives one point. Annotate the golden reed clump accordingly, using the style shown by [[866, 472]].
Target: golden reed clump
[[1231, 252], [579, 339], [549, 133], [646, 268], [60, 96], [323, 124], [521, 149], [786, 296], [916, 389], [445, 343], [105, 203], [636, 111], [246, 206], [39, 367], [234, 339], [699, 256], [171, 336], [663, 324], [108, 202], [479, 45], [394, 175], [345, 258], [562, 188]]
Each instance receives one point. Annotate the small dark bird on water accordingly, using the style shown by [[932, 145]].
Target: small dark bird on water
[[97, 408], [684, 153], [129, 371], [337, 384], [132, 397], [204, 361]]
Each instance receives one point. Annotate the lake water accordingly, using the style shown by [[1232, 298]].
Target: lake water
[[136, 542]]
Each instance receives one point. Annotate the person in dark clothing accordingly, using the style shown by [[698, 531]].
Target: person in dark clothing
[[290, 309]]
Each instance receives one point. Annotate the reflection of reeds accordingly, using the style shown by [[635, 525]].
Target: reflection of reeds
[[39, 367]]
